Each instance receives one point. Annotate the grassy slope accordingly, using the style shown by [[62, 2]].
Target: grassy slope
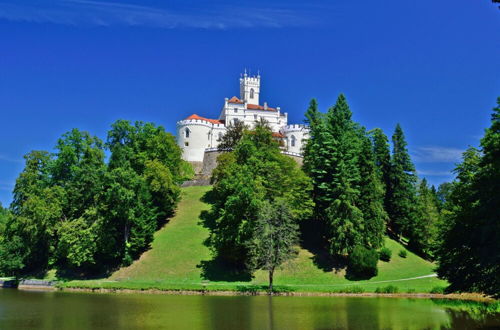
[[177, 255]]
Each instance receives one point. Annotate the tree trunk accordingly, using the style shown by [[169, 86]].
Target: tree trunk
[[271, 273]]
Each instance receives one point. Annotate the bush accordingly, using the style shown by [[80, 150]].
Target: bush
[[411, 290], [351, 289], [385, 254], [387, 289], [403, 253], [438, 289], [362, 263]]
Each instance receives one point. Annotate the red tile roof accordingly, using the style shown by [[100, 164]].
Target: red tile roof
[[259, 107], [278, 135], [234, 99], [213, 121]]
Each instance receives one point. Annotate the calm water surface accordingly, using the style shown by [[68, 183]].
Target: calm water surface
[[66, 310]]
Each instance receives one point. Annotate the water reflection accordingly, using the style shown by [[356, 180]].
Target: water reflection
[[57, 310]]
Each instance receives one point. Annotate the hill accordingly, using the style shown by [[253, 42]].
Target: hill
[[179, 260]]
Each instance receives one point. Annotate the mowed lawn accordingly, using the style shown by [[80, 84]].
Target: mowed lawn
[[179, 259]]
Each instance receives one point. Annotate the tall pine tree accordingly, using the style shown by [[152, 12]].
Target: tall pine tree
[[401, 193], [371, 199], [382, 153]]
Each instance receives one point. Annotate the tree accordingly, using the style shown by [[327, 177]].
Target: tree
[[35, 211], [401, 191], [443, 193], [423, 236], [274, 239], [362, 263], [382, 160], [254, 172], [73, 211], [232, 136], [371, 197], [78, 167], [141, 187], [347, 190], [469, 257]]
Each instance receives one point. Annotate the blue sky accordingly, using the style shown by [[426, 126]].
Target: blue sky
[[433, 66]]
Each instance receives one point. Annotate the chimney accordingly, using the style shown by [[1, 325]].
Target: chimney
[[265, 105]]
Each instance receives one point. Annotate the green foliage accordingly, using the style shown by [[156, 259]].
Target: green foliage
[[387, 289], [232, 136], [274, 239], [382, 160], [438, 290], [468, 255], [402, 253], [346, 184], [401, 194], [371, 197], [385, 254], [424, 232], [254, 172], [73, 211], [362, 263], [351, 289]]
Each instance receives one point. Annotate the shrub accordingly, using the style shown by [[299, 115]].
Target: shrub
[[411, 290], [438, 289], [351, 289], [385, 254], [362, 263], [387, 289], [403, 253]]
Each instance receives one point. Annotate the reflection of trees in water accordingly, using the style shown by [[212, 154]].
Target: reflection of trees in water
[[467, 320], [229, 312], [464, 314]]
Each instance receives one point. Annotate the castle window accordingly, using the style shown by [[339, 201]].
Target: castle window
[[255, 117], [235, 110], [236, 121], [251, 93], [186, 144], [220, 136], [186, 132], [293, 140]]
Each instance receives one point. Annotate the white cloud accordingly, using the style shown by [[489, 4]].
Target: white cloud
[[434, 173], [10, 159], [98, 13], [437, 154]]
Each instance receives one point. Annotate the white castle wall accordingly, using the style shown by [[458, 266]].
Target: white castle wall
[[202, 135], [295, 136]]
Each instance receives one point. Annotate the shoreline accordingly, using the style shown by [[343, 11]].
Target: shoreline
[[451, 296]]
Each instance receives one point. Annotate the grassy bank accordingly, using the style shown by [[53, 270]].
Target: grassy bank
[[179, 260]]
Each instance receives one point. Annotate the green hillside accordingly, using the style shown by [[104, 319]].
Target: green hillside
[[178, 259]]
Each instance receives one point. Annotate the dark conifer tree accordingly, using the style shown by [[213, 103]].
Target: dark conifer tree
[[469, 257], [343, 218], [371, 198], [401, 199], [382, 159]]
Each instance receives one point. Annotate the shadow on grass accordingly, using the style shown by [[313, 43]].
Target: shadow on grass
[[312, 240], [67, 274], [219, 270], [352, 276]]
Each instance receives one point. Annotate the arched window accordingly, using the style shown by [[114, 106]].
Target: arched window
[[251, 93], [186, 132], [220, 136], [293, 140]]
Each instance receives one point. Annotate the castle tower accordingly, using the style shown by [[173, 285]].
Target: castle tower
[[250, 88]]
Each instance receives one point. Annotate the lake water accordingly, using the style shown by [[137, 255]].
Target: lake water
[[67, 310]]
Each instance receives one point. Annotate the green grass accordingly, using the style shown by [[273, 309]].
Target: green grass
[[178, 260]]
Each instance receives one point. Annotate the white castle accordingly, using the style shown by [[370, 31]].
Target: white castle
[[197, 135]]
